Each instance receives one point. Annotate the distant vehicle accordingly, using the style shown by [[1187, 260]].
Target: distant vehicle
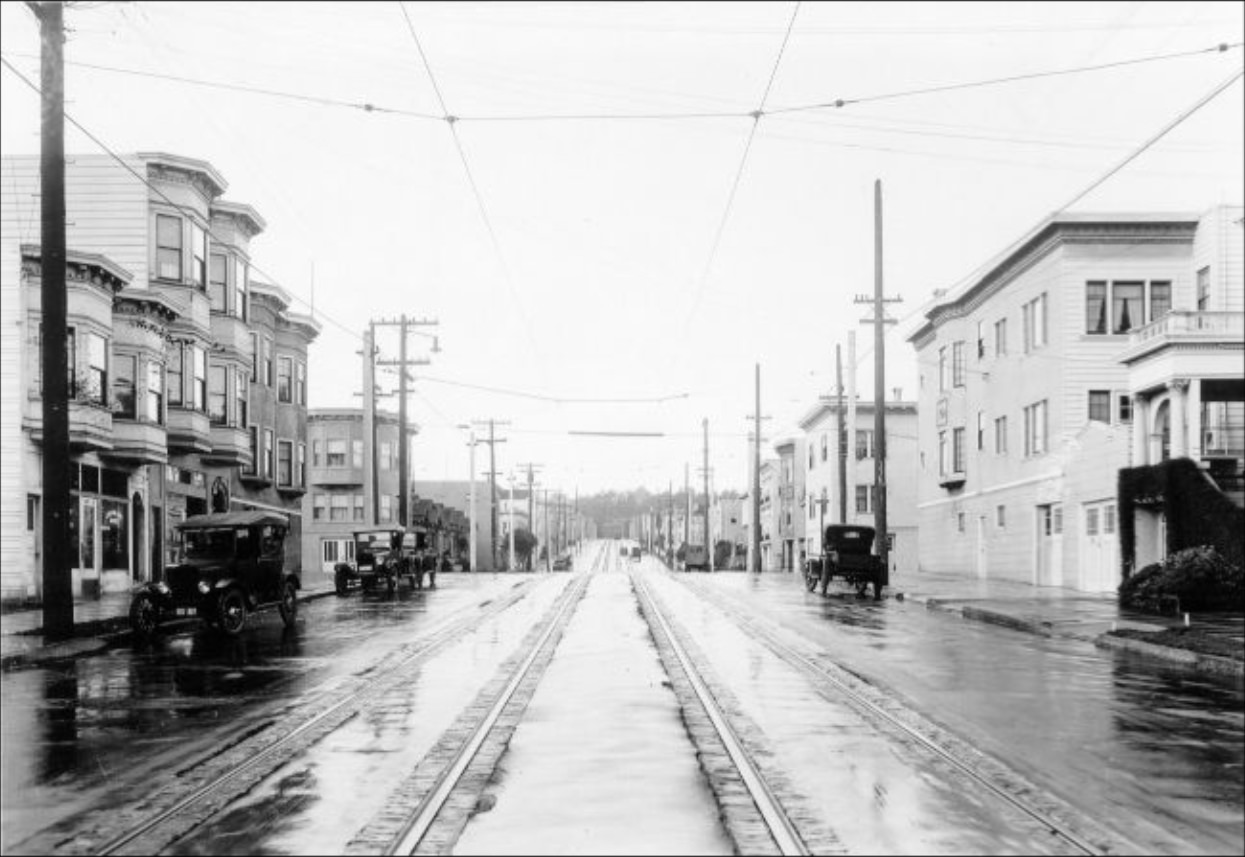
[[622, 551], [378, 557], [234, 564], [696, 558], [635, 554], [562, 563], [847, 552]]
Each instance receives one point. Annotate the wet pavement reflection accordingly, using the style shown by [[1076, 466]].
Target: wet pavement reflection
[[1155, 749]]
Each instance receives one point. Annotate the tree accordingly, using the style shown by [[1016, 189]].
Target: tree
[[524, 544]]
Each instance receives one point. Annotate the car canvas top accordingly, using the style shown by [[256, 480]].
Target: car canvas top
[[251, 517]]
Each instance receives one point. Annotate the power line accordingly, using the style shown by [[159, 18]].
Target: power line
[[450, 120], [843, 102], [1154, 139], [561, 400], [739, 172]]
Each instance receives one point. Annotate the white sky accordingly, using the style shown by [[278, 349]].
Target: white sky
[[605, 228]]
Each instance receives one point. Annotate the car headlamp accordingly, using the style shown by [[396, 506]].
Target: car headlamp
[[204, 587]]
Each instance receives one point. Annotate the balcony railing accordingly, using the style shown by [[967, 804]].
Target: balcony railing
[[1212, 325]]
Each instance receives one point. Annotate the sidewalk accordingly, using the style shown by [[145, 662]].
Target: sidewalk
[[98, 623], [1056, 612]]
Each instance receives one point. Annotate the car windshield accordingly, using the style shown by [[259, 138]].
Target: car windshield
[[374, 541], [208, 544]]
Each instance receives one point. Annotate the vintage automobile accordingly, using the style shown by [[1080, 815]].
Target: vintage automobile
[[379, 557], [696, 557], [847, 552], [234, 563], [562, 563], [635, 553]]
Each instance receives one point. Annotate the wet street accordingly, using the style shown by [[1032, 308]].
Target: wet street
[[619, 708]]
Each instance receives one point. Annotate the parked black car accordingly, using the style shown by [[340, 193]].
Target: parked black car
[[234, 563], [379, 557], [847, 552], [562, 563]]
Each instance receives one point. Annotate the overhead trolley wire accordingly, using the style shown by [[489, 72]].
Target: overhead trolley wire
[[739, 172], [371, 107], [843, 102], [450, 119]]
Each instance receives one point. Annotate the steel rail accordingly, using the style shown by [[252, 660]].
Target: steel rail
[[781, 828], [790, 654], [447, 632], [429, 807]]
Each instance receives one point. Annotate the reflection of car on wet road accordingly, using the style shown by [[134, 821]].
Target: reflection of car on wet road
[[234, 563], [378, 557], [847, 552]]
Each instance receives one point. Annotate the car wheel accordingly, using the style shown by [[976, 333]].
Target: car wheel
[[144, 615], [862, 588], [877, 590], [231, 611], [341, 583], [288, 606]]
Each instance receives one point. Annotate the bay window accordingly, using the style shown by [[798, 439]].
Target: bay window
[[168, 247]]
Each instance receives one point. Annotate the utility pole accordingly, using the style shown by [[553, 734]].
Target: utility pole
[[510, 524], [549, 546], [704, 423], [492, 467], [471, 488], [58, 545], [687, 507], [756, 480], [404, 486], [879, 322], [842, 438], [851, 416], [531, 500], [670, 524]]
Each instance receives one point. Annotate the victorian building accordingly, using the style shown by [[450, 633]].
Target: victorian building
[[176, 408]]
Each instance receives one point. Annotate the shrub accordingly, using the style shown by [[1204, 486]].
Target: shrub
[[1195, 579]]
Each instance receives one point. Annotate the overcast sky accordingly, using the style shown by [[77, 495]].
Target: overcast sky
[[601, 257]]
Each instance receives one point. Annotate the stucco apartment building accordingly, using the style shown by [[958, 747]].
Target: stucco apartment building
[[189, 379], [1038, 388], [824, 502]]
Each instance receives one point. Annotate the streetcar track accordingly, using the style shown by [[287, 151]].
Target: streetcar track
[[833, 680], [434, 802], [782, 831], [201, 791]]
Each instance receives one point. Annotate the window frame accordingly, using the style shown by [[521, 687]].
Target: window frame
[[285, 463], [285, 379], [164, 249], [1098, 406]]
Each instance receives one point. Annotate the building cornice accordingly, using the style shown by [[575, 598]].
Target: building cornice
[[245, 216], [1054, 232], [80, 267], [200, 173]]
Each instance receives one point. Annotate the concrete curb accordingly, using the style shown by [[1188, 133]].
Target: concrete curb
[[1197, 660], [99, 634]]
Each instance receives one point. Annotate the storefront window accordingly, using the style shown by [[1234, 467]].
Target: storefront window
[[114, 533]]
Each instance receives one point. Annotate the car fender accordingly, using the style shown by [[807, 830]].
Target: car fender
[[158, 590], [292, 577]]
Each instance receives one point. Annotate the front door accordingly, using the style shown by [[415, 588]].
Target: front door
[[1099, 547], [88, 546], [1048, 566]]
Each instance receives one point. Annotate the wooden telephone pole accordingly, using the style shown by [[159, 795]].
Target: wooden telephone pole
[[879, 322], [404, 472]]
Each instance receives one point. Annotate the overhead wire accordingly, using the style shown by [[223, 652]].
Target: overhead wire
[[450, 120], [739, 171]]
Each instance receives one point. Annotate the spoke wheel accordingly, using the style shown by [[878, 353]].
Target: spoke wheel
[[288, 606], [232, 612], [144, 615]]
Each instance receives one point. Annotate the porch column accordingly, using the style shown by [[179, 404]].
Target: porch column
[[1141, 430], [1179, 419], [1195, 419]]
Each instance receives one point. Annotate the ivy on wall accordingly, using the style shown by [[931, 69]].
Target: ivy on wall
[[1197, 512]]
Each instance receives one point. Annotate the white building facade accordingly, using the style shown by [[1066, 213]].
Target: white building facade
[[1027, 410]]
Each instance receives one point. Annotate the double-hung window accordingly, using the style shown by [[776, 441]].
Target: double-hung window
[[285, 463], [1100, 405], [1000, 436], [124, 380], [942, 369], [336, 452], [155, 392], [268, 454], [173, 374], [94, 386], [864, 444], [1000, 337], [239, 289], [957, 450], [168, 247], [1035, 428], [240, 393], [199, 388], [1034, 317], [300, 383], [1121, 306], [199, 256], [218, 395], [218, 283], [285, 371], [957, 364]]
